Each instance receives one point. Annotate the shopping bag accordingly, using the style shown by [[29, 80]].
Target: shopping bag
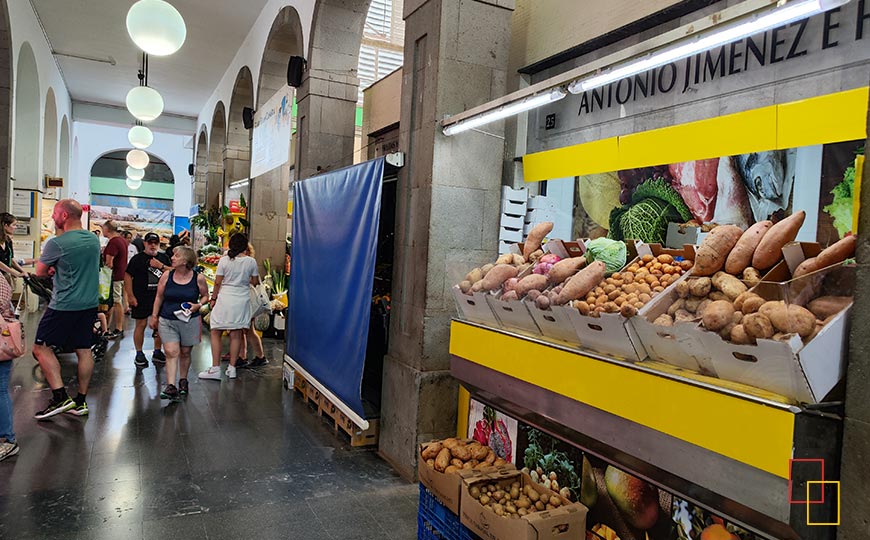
[[11, 340], [105, 285], [259, 300]]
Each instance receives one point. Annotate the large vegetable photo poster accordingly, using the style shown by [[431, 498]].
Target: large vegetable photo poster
[[739, 190], [492, 428], [138, 215], [621, 505]]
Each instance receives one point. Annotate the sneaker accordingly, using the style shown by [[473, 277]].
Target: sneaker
[[231, 372], [158, 357], [79, 410], [213, 373], [115, 334], [183, 387], [242, 363], [55, 408], [140, 360], [259, 361], [170, 392], [8, 449]]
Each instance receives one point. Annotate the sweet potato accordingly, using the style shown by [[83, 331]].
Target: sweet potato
[[769, 250], [793, 319], [535, 237], [758, 326], [825, 306], [714, 250], [497, 276], [833, 254], [542, 302], [442, 460], [718, 315], [537, 282], [579, 285], [728, 284], [741, 255], [533, 295], [504, 258], [565, 268]]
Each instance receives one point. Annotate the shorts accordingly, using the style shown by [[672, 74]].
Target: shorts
[[67, 329], [186, 334], [143, 308], [117, 291]]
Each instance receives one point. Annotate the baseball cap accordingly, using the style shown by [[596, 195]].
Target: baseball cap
[[151, 237]]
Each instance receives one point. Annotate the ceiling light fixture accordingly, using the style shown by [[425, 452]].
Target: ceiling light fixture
[[144, 103], [137, 159], [757, 23], [140, 137], [510, 109], [134, 184], [156, 27], [135, 174], [240, 183]]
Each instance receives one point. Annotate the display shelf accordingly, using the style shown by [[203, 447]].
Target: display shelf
[[727, 448]]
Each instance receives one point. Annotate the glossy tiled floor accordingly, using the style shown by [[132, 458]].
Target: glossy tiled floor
[[239, 459]]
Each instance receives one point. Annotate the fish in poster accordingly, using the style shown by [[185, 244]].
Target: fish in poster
[[768, 178], [732, 200], [696, 182]]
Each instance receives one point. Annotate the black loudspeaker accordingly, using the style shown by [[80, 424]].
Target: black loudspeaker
[[295, 67], [190, 169], [248, 117]]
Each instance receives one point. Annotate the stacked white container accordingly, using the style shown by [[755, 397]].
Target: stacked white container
[[513, 214]]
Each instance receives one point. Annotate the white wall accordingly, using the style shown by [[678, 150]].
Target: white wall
[[25, 27], [251, 53], [94, 140]]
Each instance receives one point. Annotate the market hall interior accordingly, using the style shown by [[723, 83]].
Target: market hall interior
[[426, 188]]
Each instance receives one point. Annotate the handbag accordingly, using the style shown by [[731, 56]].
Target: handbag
[[259, 300], [11, 337]]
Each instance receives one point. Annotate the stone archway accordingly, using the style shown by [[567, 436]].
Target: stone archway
[[64, 151], [270, 191], [49, 135], [26, 164], [216, 147], [200, 177], [328, 95], [237, 158], [5, 107]]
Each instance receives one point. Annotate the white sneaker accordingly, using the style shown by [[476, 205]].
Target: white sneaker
[[231, 372], [213, 373], [8, 449]]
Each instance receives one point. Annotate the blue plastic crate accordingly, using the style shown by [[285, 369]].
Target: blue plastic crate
[[436, 522]]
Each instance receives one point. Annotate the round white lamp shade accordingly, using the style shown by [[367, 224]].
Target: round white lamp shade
[[135, 174], [140, 137], [137, 159], [145, 103], [134, 184], [156, 27]]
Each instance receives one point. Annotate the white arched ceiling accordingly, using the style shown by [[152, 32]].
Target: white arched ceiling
[[49, 135], [217, 145], [238, 166], [200, 178], [63, 157], [285, 40], [27, 121]]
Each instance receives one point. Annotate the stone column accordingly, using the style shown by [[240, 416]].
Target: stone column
[[215, 183], [456, 55], [268, 214], [855, 493], [326, 114]]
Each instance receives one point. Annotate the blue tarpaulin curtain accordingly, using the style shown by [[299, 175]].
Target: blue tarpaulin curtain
[[335, 236]]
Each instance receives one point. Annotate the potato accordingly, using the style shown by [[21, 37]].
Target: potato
[[664, 320], [510, 296], [715, 248], [452, 469], [718, 295], [793, 319], [442, 460], [758, 326], [555, 501], [725, 333], [486, 268], [542, 302], [478, 451], [431, 450], [767, 307], [738, 317], [628, 311], [740, 337], [485, 499], [499, 462], [680, 303], [474, 276], [769, 250], [465, 286], [741, 256], [533, 295], [535, 237], [683, 316], [691, 304], [683, 289], [540, 506], [450, 442], [702, 307], [700, 287], [728, 284], [490, 457], [825, 306], [536, 255], [752, 303], [457, 462], [751, 277], [461, 452], [431, 463], [518, 259], [717, 315]]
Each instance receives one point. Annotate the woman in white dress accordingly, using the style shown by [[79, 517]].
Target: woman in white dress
[[231, 304]]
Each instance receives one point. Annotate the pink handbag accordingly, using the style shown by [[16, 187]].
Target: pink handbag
[[11, 340]]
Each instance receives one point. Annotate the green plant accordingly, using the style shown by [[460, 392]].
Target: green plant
[[279, 277], [208, 220]]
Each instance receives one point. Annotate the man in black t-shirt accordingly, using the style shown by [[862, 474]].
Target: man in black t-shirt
[[143, 274]]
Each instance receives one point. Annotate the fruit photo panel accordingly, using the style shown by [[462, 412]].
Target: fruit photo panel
[[494, 429]]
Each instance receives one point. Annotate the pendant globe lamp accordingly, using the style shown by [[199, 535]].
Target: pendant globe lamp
[[144, 103], [156, 27], [134, 184], [135, 174], [137, 159], [140, 137]]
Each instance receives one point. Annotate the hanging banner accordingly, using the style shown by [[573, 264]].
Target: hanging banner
[[270, 147], [335, 235]]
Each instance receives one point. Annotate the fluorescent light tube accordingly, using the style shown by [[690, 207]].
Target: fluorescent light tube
[[510, 109], [239, 184], [780, 16]]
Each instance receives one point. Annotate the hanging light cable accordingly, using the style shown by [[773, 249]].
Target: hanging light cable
[[143, 102]]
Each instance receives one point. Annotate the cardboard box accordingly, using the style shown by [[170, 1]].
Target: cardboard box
[[679, 235], [475, 308], [513, 315], [567, 522], [555, 323], [447, 488]]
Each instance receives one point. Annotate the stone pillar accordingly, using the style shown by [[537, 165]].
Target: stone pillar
[[5, 111], [325, 121], [456, 55], [215, 183], [855, 494], [268, 214]]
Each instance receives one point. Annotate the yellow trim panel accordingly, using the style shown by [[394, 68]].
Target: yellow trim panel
[[577, 160], [820, 120], [749, 432]]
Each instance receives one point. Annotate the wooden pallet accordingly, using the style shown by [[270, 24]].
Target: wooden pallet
[[334, 416]]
